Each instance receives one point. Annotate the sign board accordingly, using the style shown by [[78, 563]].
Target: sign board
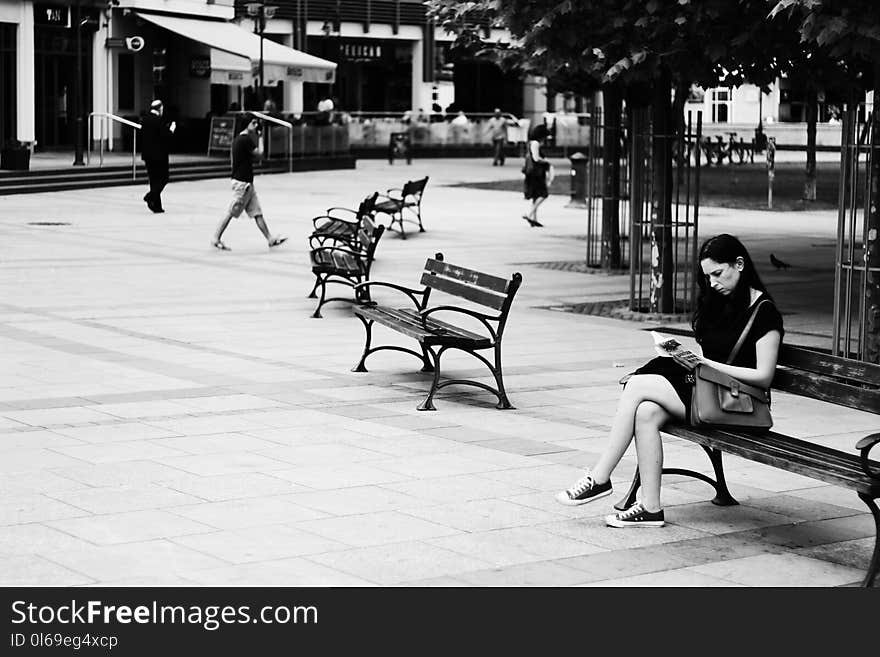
[[200, 66], [51, 15], [222, 133]]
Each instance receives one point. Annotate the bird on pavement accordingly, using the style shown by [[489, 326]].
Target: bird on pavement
[[779, 264]]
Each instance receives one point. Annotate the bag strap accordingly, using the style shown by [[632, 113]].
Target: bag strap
[[745, 332]]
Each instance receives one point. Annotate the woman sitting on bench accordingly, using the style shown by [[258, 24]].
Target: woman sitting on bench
[[660, 391]]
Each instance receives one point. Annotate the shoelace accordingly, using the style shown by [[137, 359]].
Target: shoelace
[[583, 484], [631, 512]]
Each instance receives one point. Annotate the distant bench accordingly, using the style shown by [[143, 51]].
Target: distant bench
[[403, 204], [344, 260], [434, 336], [813, 375]]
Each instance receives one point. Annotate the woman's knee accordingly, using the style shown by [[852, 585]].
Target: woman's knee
[[650, 415]]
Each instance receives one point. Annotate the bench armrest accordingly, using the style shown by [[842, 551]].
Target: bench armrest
[[481, 317], [328, 218], [408, 291], [864, 446]]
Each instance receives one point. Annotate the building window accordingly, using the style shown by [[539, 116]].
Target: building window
[[721, 101]]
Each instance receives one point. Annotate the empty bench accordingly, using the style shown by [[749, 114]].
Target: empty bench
[[403, 205], [814, 375], [435, 336], [344, 261], [341, 225]]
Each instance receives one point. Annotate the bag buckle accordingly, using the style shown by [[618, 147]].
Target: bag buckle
[[733, 384]]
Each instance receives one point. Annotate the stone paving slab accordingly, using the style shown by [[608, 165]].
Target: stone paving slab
[[171, 415]]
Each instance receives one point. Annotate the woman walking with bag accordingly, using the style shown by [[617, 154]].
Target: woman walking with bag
[[740, 331], [536, 170]]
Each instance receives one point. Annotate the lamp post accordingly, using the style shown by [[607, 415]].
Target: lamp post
[[260, 12]]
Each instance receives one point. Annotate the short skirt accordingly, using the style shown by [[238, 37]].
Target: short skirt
[[681, 379]]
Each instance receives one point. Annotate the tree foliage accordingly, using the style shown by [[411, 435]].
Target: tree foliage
[[594, 42]]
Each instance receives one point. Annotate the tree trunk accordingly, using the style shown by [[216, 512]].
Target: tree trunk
[[810, 172], [872, 242], [681, 94], [611, 108], [662, 265]]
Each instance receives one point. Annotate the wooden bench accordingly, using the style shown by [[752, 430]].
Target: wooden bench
[[345, 228], [344, 261], [403, 204], [434, 336], [813, 375]]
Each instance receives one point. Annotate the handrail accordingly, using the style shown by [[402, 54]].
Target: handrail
[[119, 119], [286, 124]]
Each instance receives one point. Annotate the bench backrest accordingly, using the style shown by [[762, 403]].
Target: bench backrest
[[368, 236], [475, 286], [414, 188], [367, 205], [834, 379]]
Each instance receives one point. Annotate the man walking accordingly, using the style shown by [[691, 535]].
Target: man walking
[[247, 146], [498, 133], [155, 141]]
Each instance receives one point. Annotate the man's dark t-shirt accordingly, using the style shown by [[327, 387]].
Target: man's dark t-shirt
[[243, 148]]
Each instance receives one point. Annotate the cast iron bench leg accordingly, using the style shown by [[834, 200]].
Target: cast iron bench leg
[[875, 558], [368, 326], [312, 294], [317, 313], [428, 404], [503, 401], [428, 366], [722, 495]]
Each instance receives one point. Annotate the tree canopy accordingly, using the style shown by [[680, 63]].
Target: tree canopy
[[595, 42]]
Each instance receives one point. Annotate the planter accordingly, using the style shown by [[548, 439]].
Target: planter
[[16, 159]]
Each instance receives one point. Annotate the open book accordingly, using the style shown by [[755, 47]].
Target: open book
[[666, 346]]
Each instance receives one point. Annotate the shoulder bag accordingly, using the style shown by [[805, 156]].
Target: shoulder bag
[[723, 401]]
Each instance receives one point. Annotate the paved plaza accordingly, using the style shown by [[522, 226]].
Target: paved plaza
[[171, 415]]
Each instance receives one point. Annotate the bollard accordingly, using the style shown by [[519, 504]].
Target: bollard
[[771, 169], [578, 181]]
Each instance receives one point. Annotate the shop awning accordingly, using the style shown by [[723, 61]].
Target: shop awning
[[235, 53]]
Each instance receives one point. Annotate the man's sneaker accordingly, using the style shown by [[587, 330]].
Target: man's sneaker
[[585, 490], [636, 516]]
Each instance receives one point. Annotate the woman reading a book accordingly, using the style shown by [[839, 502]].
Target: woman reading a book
[[660, 391]]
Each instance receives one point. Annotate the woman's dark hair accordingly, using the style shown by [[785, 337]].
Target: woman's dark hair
[[539, 132], [714, 308]]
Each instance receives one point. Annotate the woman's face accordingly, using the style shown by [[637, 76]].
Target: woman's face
[[723, 276]]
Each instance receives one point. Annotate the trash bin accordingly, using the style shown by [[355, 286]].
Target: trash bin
[[15, 156], [578, 181]]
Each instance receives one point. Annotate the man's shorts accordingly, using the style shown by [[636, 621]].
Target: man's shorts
[[244, 198]]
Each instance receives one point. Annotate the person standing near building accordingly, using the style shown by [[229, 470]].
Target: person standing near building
[[155, 144], [246, 147], [498, 134]]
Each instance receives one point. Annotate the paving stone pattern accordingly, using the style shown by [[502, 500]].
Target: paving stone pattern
[[171, 415]]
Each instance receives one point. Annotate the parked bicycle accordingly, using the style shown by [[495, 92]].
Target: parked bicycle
[[719, 150]]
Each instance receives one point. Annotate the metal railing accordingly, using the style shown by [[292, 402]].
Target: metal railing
[[107, 118], [286, 124]]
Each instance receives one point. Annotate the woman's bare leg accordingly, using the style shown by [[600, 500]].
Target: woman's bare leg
[[640, 388], [650, 416]]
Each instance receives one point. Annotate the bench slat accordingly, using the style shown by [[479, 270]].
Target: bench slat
[[409, 323], [477, 278], [810, 460], [477, 295], [827, 389], [826, 364]]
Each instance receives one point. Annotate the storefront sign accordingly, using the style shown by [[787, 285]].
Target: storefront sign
[[54, 15], [222, 133], [200, 66], [236, 75], [294, 72], [361, 52]]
